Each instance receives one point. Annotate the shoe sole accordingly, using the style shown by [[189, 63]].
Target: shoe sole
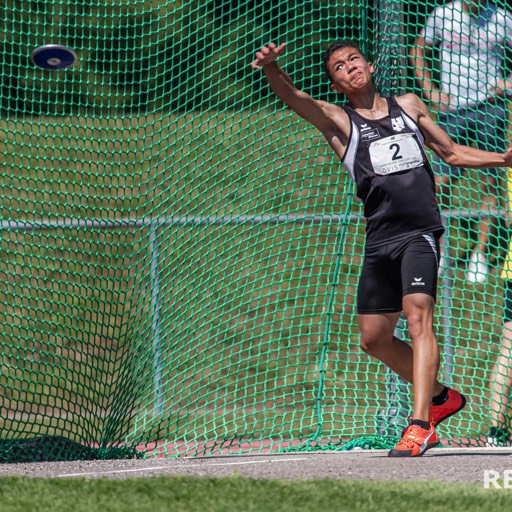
[[402, 454], [464, 402]]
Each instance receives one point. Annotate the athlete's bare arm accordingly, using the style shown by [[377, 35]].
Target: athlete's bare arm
[[440, 142], [330, 119]]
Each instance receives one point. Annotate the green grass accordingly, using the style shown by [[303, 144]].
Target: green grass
[[238, 494]]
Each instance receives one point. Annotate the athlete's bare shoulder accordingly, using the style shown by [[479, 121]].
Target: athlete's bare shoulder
[[336, 126], [337, 119], [412, 105], [338, 113]]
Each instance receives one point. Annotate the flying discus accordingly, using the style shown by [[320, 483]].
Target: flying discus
[[53, 56]]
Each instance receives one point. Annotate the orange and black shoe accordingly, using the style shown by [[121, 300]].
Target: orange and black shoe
[[415, 442], [453, 404]]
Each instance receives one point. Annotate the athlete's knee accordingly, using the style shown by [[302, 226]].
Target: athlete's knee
[[376, 332], [372, 343], [367, 344], [419, 323]]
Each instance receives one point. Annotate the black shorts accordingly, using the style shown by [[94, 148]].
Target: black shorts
[[397, 269]]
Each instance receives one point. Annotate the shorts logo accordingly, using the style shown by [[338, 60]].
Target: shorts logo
[[418, 281]]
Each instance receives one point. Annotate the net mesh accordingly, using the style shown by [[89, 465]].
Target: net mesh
[[180, 253]]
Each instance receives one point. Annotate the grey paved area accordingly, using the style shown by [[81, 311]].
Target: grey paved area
[[449, 465]]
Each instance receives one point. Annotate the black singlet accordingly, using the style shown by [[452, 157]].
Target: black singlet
[[386, 160]]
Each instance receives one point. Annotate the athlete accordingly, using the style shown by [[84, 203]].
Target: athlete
[[381, 142]]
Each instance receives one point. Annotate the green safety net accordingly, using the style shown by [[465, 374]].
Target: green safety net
[[180, 252]]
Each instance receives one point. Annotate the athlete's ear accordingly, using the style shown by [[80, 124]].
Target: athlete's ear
[[371, 68], [336, 89]]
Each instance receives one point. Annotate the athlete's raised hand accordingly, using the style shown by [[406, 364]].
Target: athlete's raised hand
[[268, 54]]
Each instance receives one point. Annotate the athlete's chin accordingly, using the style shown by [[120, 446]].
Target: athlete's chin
[[359, 82], [356, 88]]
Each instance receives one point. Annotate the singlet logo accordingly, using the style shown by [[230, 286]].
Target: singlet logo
[[398, 124], [368, 132]]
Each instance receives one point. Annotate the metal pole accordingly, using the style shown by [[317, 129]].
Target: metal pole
[[391, 46], [156, 321], [77, 223], [446, 273], [390, 80]]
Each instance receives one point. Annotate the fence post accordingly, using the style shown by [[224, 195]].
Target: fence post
[[156, 307], [446, 273]]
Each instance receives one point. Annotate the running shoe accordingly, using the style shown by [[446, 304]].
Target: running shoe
[[453, 404], [415, 442]]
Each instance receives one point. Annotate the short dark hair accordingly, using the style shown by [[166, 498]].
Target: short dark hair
[[343, 43]]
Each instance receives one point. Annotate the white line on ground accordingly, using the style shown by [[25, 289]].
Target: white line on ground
[[156, 468]]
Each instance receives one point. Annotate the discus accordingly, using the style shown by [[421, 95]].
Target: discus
[[53, 56]]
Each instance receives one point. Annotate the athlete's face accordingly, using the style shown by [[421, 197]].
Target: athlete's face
[[349, 70]]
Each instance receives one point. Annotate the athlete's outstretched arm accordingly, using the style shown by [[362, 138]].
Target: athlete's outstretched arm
[[314, 111], [454, 154]]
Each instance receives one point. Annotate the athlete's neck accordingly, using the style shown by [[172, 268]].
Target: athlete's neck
[[370, 106]]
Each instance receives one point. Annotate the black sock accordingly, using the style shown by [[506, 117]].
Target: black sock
[[422, 424], [441, 398]]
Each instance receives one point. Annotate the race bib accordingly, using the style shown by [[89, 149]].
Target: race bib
[[396, 153]]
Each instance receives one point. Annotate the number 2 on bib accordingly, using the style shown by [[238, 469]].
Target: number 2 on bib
[[395, 154]]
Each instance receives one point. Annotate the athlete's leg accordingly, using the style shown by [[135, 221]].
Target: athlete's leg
[[378, 341], [418, 311], [419, 278], [379, 304], [380, 300]]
